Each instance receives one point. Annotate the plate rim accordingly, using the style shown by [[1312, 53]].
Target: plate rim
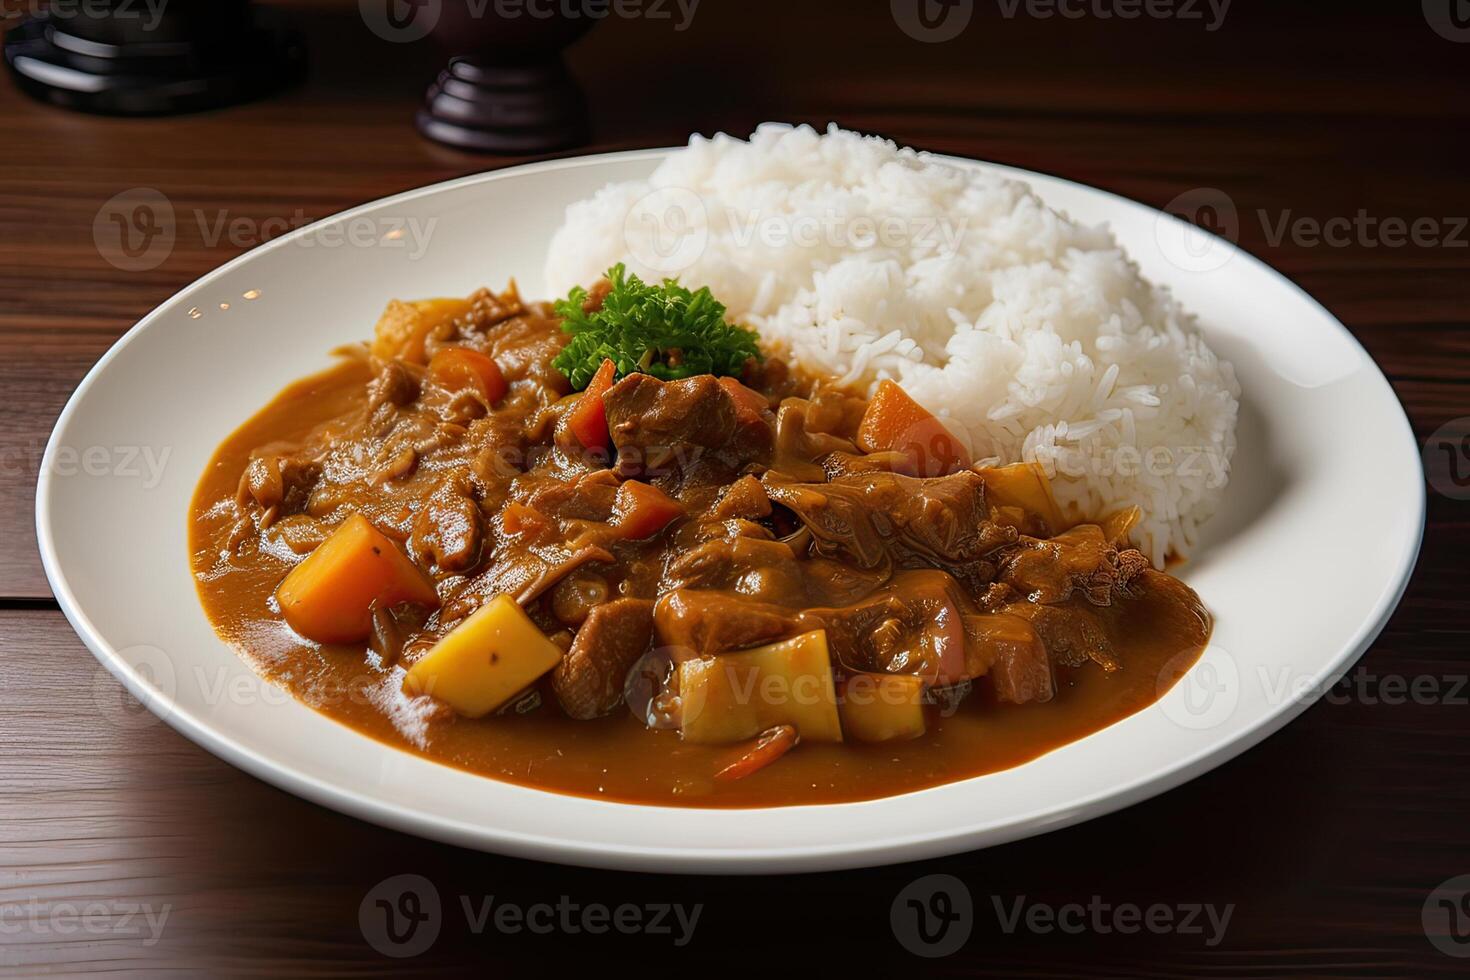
[[728, 860]]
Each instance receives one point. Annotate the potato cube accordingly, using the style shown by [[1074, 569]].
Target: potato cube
[[882, 707], [737, 696], [484, 661], [403, 327], [1027, 486]]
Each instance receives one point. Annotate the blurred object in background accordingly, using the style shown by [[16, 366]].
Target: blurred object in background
[[506, 88], [126, 57]]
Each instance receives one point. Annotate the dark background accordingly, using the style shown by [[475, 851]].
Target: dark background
[[1327, 839]]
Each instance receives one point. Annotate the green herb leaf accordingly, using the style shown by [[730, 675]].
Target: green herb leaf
[[664, 330]]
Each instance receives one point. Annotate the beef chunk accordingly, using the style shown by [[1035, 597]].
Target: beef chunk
[[1072, 634], [1080, 560], [524, 351], [525, 573], [1008, 650], [280, 481], [450, 529], [588, 499], [698, 622], [670, 431], [745, 499], [879, 519], [914, 625], [489, 308], [589, 680], [752, 566], [393, 385]]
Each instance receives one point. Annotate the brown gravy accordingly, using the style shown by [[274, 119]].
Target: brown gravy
[[616, 757]]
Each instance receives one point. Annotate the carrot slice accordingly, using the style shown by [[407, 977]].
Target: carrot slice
[[455, 368], [749, 404], [588, 420], [642, 510], [894, 422], [330, 595], [520, 519], [770, 746]]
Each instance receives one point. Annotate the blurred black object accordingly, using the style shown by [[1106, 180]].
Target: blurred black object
[[506, 88], [125, 57]]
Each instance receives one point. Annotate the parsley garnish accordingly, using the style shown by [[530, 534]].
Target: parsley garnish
[[665, 330]]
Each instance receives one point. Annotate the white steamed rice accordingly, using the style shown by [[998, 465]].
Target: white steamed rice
[[1033, 336]]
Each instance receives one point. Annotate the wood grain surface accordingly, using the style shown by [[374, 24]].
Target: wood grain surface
[[1325, 842]]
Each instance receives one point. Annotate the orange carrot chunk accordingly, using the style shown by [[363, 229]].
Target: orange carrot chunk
[[328, 597], [749, 404], [588, 420], [455, 368], [521, 519], [641, 510], [894, 422]]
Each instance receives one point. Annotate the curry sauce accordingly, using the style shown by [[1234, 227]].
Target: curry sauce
[[777, 523]]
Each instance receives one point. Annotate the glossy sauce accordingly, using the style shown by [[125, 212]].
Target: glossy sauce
[[616, 757]]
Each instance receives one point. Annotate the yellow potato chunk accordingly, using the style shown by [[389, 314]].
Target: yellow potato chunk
[[403, 327], [485, 660], [736, 696], [882, 707], [1024, 485]]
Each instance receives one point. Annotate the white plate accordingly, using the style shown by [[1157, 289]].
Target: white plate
[[1302, 568]]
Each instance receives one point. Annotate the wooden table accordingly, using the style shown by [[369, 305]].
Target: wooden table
[[1326, 840]]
